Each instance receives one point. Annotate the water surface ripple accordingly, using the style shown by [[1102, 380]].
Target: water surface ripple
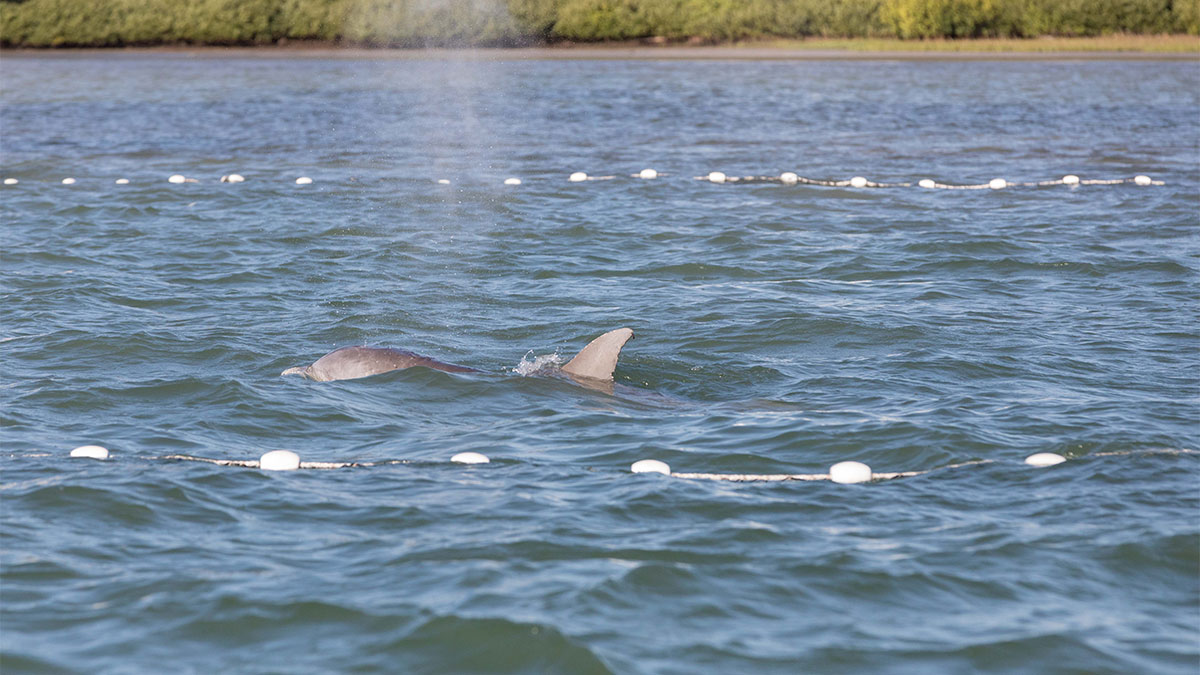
[[779, 329]]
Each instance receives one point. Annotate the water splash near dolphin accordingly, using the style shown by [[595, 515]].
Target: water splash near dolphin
[[595, 362]]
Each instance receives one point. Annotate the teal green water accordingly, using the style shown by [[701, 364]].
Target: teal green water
[[780, 329]]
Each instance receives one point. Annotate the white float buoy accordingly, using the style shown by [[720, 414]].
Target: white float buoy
[[68, 181], [10, 181], [177, 178], [648, 174], [279, 460], [927, 183], [578, 177], [650, 466], [1070, 179], [858, 182], [997, 183], [122, 181], [788, 178], [90, 452], [1045, 459], [512, 181], [850, 472], [1142, 180], [233, 178], [303, 180], [716, 177], [470, 458], [443, 181]]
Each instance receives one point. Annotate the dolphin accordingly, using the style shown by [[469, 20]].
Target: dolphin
[[349, 363], [595, 362]]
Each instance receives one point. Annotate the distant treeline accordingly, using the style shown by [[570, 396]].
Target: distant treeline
[[426, 23]]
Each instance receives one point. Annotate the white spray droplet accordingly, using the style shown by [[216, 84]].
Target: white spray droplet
[[1045, 459], [512, 181], [90, 452], [788, 178], [303, 180], [849, 472], [997, 183], [650, 466], [68, 181], [1142, 180], [716, 177], [279, 460], [858, 182], [470, 458], [927, 183], [648, 173], [578, 177], [10, 181], [1070, 179]]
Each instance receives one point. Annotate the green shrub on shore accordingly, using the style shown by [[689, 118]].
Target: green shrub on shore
[[716, 20], [1022, 18], [426, 24], [419, 23], [113, 23]]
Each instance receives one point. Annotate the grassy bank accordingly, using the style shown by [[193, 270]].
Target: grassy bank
[[1150, 44], [428, 23]]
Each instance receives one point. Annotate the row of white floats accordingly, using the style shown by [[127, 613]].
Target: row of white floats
[[175, 179], [842, 472], [789, 178], [845, 473], [786, 178]]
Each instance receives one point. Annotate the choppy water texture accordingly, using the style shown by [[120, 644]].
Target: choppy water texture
[[779, 329]]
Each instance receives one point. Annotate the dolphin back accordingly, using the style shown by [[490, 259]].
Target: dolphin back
[[599, 358], [594, 362], [350, 363]]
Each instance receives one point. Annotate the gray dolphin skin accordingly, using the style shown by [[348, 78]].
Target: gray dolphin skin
[[596, 361], [350, 363]]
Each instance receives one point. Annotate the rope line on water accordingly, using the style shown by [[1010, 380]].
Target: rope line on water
[[857, 472], [842, 472], [785, 178]]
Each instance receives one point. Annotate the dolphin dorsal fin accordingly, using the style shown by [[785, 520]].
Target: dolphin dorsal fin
[[599, 358]]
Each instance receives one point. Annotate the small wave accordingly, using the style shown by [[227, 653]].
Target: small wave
[[462, 644], [10, 338], [25, 663]]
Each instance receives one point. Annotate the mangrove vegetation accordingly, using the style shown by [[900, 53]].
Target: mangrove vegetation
[[480, 23]]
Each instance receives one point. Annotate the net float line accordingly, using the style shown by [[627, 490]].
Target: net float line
[[273, 462], [718, 177], [789, 178], [848, 472], [580, 176], [286, 460], [842, 472], [1070, 180], [858, 472]]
